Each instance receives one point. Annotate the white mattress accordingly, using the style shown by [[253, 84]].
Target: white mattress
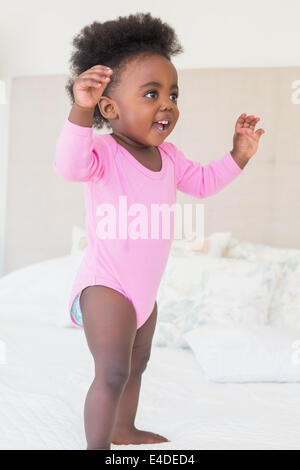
[[49, 369]]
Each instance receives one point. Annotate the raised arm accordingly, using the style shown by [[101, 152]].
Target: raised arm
[[203, 180], [76, 157]]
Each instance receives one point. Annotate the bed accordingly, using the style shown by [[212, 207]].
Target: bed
[[47, 369]]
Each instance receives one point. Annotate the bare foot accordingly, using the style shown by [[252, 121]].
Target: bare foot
[[136, 436]]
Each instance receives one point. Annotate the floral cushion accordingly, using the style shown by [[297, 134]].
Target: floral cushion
[[201, 289], [285, 304]]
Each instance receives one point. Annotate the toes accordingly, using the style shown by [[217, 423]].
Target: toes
[[162, 437]]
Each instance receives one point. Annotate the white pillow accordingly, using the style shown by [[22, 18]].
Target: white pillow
[[253, 353], [40, 288], [206, 290], [285, 303]]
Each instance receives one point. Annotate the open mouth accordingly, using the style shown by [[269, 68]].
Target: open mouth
[[161, 127]]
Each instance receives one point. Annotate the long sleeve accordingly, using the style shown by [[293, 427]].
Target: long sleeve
[[76, 157], [203, 181]]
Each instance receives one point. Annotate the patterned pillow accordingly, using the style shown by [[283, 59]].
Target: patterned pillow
[[285, 303], [207, 290]]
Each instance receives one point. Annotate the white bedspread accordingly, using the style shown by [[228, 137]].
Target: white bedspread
[[49, 369]]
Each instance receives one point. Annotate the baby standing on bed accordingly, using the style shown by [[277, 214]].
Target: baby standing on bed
[[125, 173]]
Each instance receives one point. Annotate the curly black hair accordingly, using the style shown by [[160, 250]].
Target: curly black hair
[[114, 43]]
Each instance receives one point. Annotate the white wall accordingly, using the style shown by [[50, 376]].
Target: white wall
[[35, 38]]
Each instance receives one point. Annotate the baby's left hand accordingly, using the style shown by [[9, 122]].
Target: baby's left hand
[[245, 140]]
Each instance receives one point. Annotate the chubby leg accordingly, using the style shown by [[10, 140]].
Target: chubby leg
[[109, 322], [125, 431]]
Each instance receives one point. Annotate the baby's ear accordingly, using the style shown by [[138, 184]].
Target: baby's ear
[[108, 107]]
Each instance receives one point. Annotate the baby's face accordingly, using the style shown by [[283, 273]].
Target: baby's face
[[133, 106]]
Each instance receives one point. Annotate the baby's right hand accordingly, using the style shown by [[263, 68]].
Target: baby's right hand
[[89, 86]]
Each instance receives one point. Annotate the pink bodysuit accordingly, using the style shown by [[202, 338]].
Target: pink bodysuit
[[113, 176]]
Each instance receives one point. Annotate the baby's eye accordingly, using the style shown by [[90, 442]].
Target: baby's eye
[[174, 94]]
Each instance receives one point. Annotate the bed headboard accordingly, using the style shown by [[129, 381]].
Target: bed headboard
[[261, 205]]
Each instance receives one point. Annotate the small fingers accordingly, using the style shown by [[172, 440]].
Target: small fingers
[[99, 74], [241, 118], [253, 122], [250, 121], [97, 78], [87, 82], [103, 75], [100, 77], [102, 68]]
